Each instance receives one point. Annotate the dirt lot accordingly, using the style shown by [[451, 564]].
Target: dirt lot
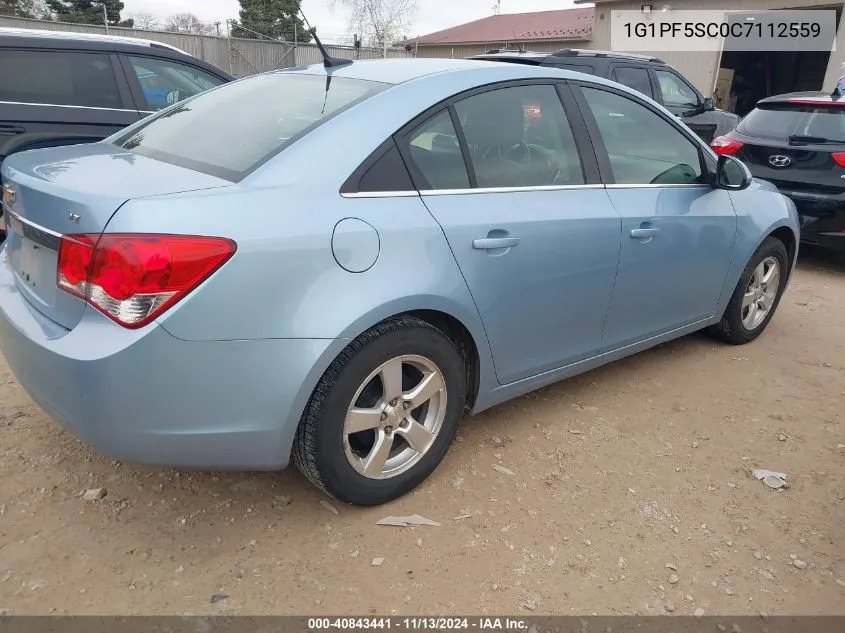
[[631, 493]]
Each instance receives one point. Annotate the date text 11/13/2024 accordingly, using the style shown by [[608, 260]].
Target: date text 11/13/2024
[[417, 624]]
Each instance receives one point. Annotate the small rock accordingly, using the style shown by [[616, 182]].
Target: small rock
[[675, 529], [735, 628], [781, 437], [283, 500], [671, 566], [731, 485], [355, 554], [219, 597], [94, 494], [457, 482], [530, 606], [758, 556], [840, 582], [689, 598], [729, 591], [673, 579], [699, 612], [800, 564], [721, 627], [252, 543], [729, 543], [494, 587], [503, 470], [620, 562], [180, 569], [377, 562], [669, 607], [35, 585], [695, 444]]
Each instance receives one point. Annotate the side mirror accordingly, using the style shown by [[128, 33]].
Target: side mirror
[[709, 105], [732, 174]]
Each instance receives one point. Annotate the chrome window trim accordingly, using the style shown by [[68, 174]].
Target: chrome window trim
[[665, 186], [483, 190], [32, 224], [381, 194], [58, 105]]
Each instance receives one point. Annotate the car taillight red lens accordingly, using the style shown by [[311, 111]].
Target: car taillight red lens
[[133, 278], [839, 158], [725, 146]]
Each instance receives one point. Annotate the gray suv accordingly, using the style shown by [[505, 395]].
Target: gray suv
[[648, 75]]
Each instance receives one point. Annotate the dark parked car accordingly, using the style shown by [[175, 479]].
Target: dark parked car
[[648, 75], [797, 142]]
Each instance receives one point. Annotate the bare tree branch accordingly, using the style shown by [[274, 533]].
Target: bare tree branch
[[145, 21], [379, 21], [188, 23]]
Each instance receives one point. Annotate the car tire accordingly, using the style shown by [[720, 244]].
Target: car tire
[[744, 318], [343, 462]]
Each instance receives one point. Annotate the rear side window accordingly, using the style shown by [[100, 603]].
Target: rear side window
[[164, 83], [636, 78], [779, 121], [676, 92], [58, 78], [232, 131], [436, 154]]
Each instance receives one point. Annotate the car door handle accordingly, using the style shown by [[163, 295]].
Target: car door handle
[[643, 233], [11, 129], [493, 243]]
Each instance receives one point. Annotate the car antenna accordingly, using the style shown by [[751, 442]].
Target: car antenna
[[328, 60]]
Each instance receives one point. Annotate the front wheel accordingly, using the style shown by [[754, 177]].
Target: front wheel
[[757, 295], [384, 414]]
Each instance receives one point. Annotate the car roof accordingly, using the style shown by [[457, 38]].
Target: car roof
[[394, 71], [809, 97], [35, 37], [567, 53]]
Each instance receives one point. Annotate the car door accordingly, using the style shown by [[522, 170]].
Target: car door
[[514, 184], [684, 101], [57, 97], [157, 83], [678, 231], [636, 77]]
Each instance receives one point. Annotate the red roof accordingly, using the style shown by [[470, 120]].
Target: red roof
[[576, 24]]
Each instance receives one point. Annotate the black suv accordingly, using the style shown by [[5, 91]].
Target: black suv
[[59, 88], [648, 75]]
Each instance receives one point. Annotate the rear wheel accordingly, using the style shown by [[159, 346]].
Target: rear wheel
[[757, 295], [384, 414]]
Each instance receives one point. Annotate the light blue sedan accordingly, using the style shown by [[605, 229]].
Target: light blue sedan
[[334, 265]]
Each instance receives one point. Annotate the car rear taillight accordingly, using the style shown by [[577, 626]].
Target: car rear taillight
[[839, 158], [133, 278], [725, 146]]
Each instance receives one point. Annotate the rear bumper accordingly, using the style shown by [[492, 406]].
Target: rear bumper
[[822, 217], [144, 396]]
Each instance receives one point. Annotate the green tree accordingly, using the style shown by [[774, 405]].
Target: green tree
[[24, 8], [88, 11], [276, 19]]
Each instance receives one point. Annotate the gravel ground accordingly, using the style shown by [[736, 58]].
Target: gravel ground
[[629, 493]]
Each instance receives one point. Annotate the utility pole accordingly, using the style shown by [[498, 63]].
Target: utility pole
[[106, 18], [217, 26]]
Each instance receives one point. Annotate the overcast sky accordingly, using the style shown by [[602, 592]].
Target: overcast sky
[[433, 15]]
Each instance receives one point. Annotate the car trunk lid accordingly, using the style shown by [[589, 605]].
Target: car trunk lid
[[71, 190]]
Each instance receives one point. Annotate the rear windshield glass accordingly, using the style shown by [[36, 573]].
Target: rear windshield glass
[[781, 120], [233, 130]]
